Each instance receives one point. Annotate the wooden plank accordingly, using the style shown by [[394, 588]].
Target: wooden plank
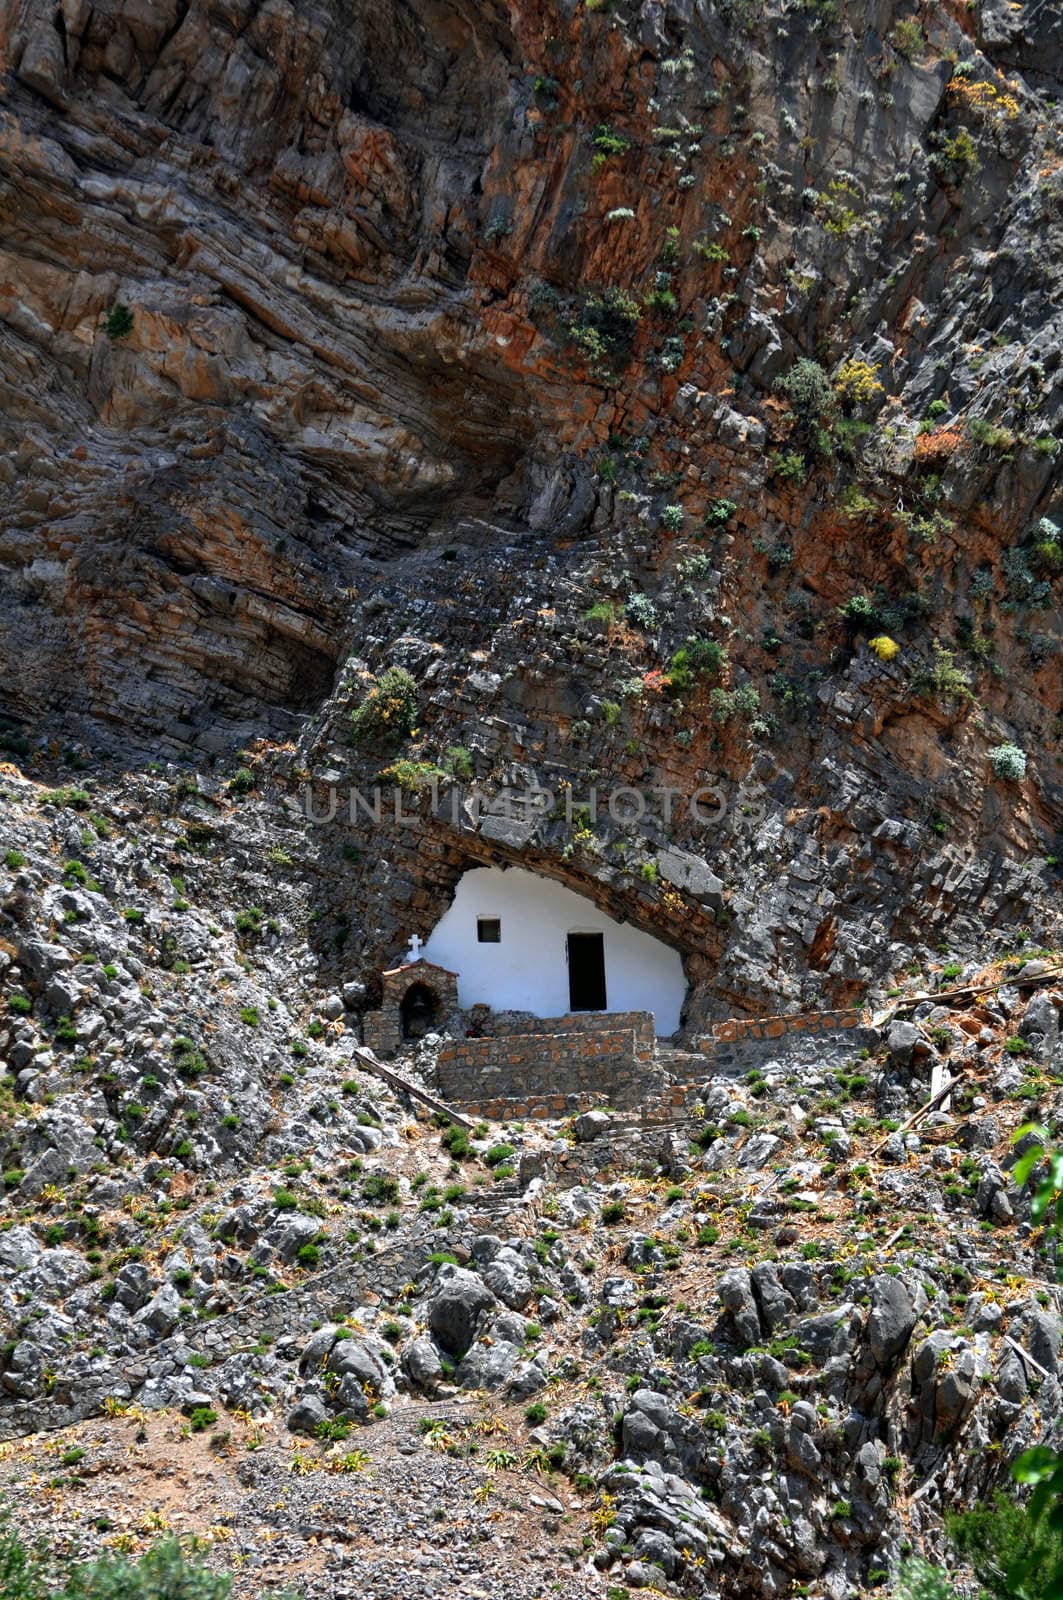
[[365, 1058], [928, 1105]]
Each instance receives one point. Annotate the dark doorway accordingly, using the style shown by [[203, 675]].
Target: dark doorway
[[419, 1010], [586, 971]]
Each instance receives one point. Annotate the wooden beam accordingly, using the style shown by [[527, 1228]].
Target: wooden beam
[[365, 1058]]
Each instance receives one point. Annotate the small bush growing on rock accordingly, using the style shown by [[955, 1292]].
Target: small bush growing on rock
[[389, 709], [640, 610], [118, 322], [613, 1211], [535, 1413], [672, 518], [741, 702], [189, 1061], [602, 611], [604, 329], [497, 1154], [14, 859], [856, 382], [944, 680], [607, 143], [249, 921], [20, 1004], [789, 465], [458, 763], [411, 776], [809, 392], [1008, 762], [242, 782], [456, 1140], [719, 513], [75, 799], [380, 1188], [698, 658], [908, 38], [201, 1418], [956, 157]]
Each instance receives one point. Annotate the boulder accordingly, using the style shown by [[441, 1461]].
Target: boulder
[[890, 1321], [736, 1296], [460, 1301]]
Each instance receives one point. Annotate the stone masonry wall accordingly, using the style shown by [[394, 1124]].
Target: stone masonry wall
[[548, 1074], [588, 1059]]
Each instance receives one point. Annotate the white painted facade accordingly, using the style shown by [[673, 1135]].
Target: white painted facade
[[527, 970]]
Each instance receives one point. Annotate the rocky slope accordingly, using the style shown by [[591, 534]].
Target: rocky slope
[[251, 1293]]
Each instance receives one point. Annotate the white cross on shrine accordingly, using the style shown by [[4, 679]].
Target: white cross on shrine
[[414, 952]]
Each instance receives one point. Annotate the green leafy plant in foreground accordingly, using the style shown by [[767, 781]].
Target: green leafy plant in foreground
[[162, 1573]]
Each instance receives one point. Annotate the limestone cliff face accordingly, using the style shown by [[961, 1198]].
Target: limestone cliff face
[[445, 325]]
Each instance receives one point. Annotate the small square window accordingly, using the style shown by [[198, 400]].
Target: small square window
[[489, 930]]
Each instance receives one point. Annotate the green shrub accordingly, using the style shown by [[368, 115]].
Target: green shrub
[[606, 144], [957, 156], [789, 465], [720, 513], [497, 1154], [380, 1188], [640, 610], [604, 329], [75, 799], [411, 776], [613, 1211], [990, 434], [1008, 762], [920, 1581], [458, 763], [810, 393], [389, 709], [1013, 1555], [163, 1573], [201, 1418], [242, 781], [698, 658], [456, 1140], [118, 321], [944, 679], [908, 38], [14, 859]]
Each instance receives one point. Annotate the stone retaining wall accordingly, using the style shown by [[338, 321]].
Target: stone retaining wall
[[804, 1022], [600, 1060], [592, 1059]]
